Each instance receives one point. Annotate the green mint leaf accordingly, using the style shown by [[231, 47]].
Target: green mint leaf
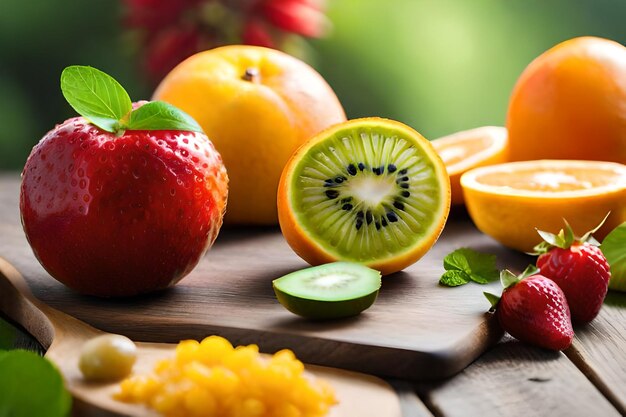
[[614, 249], [456, 261], [96, 96], [454, 278], [479, 267], [493, 300], [31, 386], [483, 266], [480, 279], [159, 115]]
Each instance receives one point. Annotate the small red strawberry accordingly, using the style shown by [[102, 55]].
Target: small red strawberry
[[533, 309], [121, 201], [578, 267]]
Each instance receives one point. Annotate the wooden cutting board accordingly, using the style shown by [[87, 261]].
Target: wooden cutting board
[[416, 330], [64, 337]]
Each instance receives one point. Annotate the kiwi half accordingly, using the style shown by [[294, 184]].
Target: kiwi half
[[370, 190], [335, 290]]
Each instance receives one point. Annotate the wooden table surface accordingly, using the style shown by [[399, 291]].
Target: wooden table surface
[[512, 378]]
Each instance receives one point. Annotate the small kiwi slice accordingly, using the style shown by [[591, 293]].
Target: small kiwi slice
[[330, 291], [371, 191]]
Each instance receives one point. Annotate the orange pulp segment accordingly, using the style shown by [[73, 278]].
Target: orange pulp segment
[[469, 149], [510, 201]]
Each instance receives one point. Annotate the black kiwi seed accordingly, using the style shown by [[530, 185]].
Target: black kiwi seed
[[332, 194], [378, 170], [391, 216], [366, 216]]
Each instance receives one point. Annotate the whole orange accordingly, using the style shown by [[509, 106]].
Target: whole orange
[[570, 103], [257, 105]]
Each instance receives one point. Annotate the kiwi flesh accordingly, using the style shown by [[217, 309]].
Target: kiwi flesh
[[329, 291], [367, 193]]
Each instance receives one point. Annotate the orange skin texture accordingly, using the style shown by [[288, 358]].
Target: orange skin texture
[[315, 254], [255, 124], [570, 103]]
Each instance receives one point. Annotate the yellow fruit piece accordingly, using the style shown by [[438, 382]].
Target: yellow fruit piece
[[107, 357], [214, 379], [257, 105], [470, 149], [510, 201]]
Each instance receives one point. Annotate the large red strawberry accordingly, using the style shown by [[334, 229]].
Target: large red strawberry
[[533, 309], [121, 201], [578, 267]]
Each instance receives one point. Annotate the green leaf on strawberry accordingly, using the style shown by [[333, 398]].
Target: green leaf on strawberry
[[508, 279], [465, 265], [101, 100], [533, 309], [565, 238], [493, 300], [614, 249]]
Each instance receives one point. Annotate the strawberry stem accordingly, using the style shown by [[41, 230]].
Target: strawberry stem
[[565, 238]]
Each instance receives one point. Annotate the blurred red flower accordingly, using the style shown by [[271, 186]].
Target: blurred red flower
[[172, 30]]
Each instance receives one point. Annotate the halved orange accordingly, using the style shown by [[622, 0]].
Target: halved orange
[[469, 149], [371, 190], [510, 201]]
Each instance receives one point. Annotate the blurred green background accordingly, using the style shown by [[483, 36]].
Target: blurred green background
[[437, 65]]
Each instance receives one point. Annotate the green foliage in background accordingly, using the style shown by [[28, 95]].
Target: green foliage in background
[[37, 40], [448, 65], [437, 65]]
